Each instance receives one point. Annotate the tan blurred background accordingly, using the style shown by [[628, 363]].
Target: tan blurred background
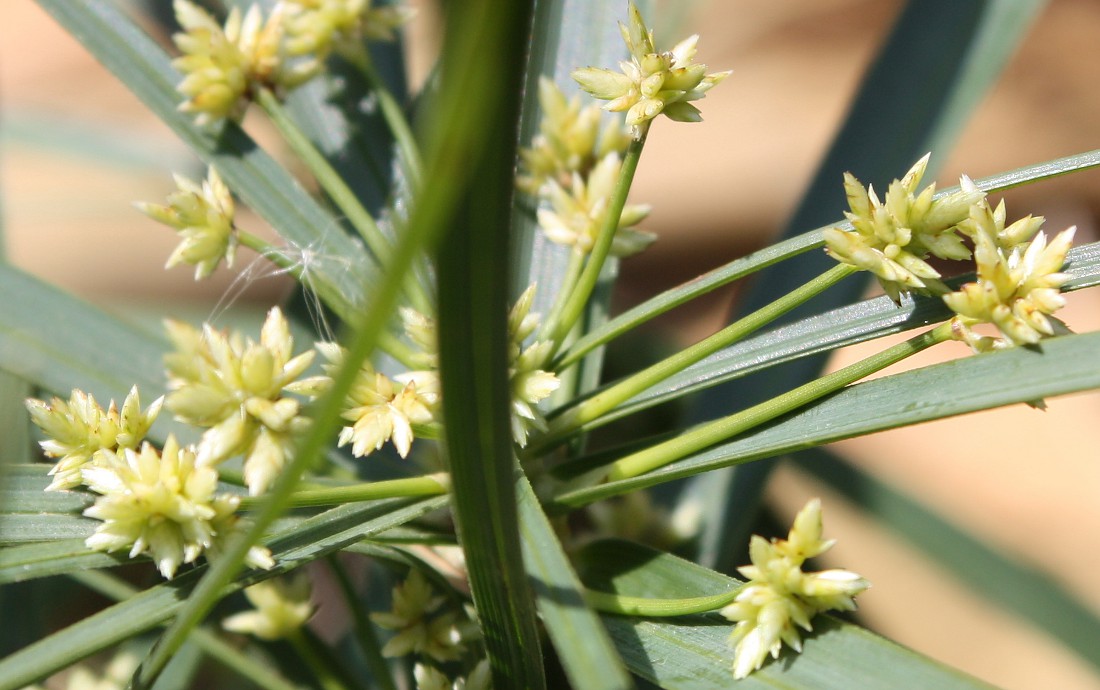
[[77, 149]]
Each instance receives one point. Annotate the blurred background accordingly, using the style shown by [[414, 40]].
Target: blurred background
[[76, 149]]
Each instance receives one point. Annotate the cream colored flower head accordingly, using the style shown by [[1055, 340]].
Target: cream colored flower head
[[651, 83], [379, 408], [1018, 282], [570, 141], [235, 387], [281, 608], [318, 27], [78, 430], [892, 238], [779, 598], [530, 383], [156, 503], [578, 212], [419, 628], [203, 216], [223, 67]]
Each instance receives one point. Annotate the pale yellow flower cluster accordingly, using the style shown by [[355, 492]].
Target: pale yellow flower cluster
[[223, 67], [282, 607], [318, 27], [893, 238], [779, 597], [161, 503], [431, 678], [420, 629], [530, 383], [79, 431], [203, 215], [651, 82], [1018, 281], [235, 387]]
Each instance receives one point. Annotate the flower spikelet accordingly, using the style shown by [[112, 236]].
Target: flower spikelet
[[419, 629], [282, 607], [318, 27], [651, 82], [235, 387], [893, 237], [379, 408], [779, 597], [203, 216], [224, 66], [570, 141], [79, 430], [156, 503], [530, 383], [579, 212], [1018, 282]]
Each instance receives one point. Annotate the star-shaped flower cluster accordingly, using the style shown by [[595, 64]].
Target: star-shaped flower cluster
[[779, 597], [282, 607], [420, 629], [318, 27]]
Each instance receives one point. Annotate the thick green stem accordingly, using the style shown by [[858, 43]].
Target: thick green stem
[[428, 485], [575, 300], [394, 115], [364, 629], [720, 430], [646, 607], [602, 403]]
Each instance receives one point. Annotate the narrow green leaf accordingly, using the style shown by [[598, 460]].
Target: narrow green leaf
[[1059, 366], [340, 267], [311, 539], [585, 650], [45, 559], [1010, 584], [691, 652]]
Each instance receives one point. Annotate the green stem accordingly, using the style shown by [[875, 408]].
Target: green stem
[[211, 645], [394, 115], [364, 629], [568, 285], [576, 299], [322, 670], [602, 403], [338, 190], [386, 342], [646, 607], [428, 485], [720, 430]]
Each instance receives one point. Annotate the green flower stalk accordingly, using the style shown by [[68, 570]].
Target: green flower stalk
[[163, 504], [780, 598], [570, 141], [79, 431], [1018, 283], [579, 211], [892, 238], [281, 608], [651, 83], [203, 216], [419, 629], [235, 387], [223, 68]]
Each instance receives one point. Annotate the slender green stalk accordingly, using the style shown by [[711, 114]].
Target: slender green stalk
[[723, 429], [322, 670], [647, 607], [575, 300], [114, 588], [338, 190], [394, 115], [428, 485], [298, 269], [568, 285], [602, 403], [364, 629]]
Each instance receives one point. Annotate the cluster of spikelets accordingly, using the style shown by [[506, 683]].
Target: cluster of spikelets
[[225, 66], [1018, 271], [779, 598]]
